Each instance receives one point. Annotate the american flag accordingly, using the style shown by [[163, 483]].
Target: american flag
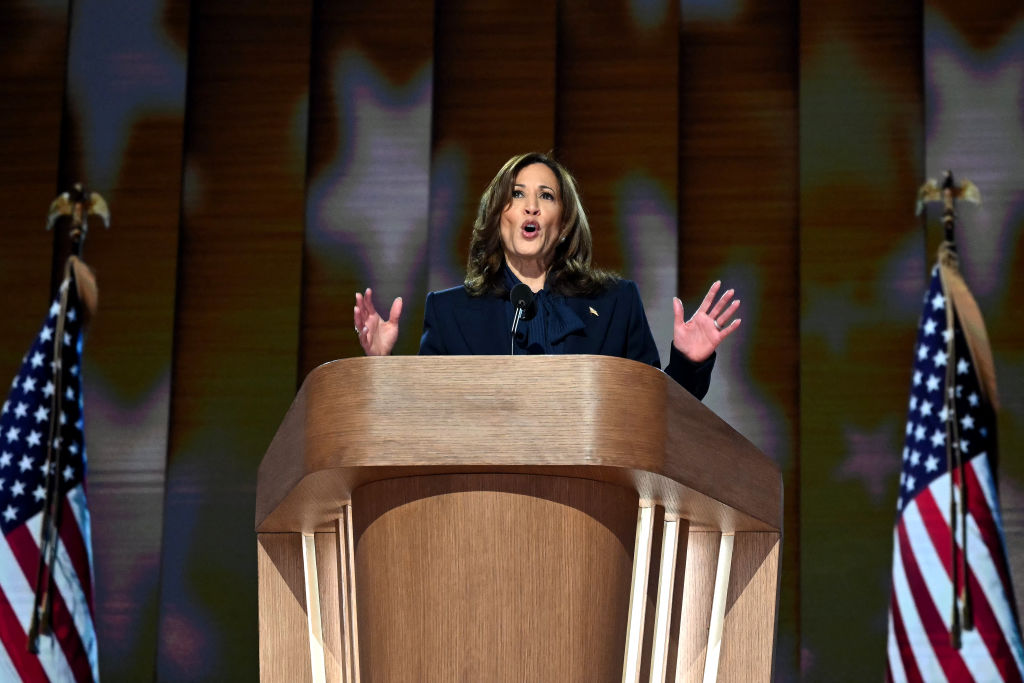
[[937, 543], [67, 650]]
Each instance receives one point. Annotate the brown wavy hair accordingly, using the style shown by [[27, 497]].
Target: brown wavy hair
[[571, 272]]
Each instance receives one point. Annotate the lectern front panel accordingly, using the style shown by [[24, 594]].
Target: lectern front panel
[[493, 578]]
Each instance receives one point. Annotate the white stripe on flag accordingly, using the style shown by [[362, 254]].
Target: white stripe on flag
[[921, 647], [973, 651], [22, 598], [895, 660]]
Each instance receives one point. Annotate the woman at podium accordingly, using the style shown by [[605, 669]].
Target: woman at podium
[[530, 288]]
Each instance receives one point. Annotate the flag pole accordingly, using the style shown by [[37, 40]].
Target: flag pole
[[78, 204], [962, 617]]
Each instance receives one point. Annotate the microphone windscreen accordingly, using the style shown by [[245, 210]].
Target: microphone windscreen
[[521, 296]]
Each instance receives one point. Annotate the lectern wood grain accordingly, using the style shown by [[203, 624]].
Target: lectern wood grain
[[493, 578], [284, 651], [361, 419]]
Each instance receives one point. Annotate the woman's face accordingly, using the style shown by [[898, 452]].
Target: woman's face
[[531, 224]]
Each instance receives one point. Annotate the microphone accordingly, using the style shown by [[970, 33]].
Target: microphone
[[521, 297]]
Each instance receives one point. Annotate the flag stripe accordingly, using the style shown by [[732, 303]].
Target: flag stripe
[[81, 618], [15, 642], [989, 584], [19, 596], [26, 553], [935, 625], [900, 669], [8, 670], [921, 524], [987, 627], [987, 525], [919, 647], [988, 581]]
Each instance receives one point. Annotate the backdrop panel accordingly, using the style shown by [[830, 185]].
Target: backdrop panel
[[123, 134], [236, 325], [369, 164], [862, 269]]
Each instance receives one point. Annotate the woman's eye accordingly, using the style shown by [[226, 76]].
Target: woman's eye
[[547, 195], [517, 194]]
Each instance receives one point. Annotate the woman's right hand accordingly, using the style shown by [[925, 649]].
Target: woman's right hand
[[376, 335]]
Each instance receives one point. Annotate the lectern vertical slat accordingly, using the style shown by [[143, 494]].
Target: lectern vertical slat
[[718, 608], [350, 589], [284, 643], [698, 592], [314, 627], [346, 589], [330, 604], [638, 594], [750, 618], [663, 605], [675, 615]]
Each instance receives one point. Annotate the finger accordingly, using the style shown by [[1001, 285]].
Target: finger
[[368, 303], [368, 333], [730, 328], [396, 310], [723, 318], [677, 308], [361, 333], [719, 306], [710, 296], [357, 317]]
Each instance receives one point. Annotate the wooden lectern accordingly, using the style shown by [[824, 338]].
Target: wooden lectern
[[485, 518]]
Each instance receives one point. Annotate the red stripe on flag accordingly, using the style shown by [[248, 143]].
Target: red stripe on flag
[[907, 657], [26, 553], [985, 621], [977, 504], [15, 641], [934, 625], [71, 535]]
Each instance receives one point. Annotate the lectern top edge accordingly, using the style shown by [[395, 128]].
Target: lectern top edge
[[553, 413]]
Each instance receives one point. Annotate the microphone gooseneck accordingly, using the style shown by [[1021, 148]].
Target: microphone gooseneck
[[521, 297]]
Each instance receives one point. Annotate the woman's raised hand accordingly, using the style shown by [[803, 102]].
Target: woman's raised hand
[[698, 337], [376, 335]]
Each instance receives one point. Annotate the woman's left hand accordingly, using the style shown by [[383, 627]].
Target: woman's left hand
[[698, 337]]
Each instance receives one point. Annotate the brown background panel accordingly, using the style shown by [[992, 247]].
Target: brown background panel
[[494, 97], [236, 331], [33, 53], [397, 40], [738, 216], [128, 351], [617, 111], [860, 165]]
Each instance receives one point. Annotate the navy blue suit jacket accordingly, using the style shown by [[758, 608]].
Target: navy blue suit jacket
[[615, 324]]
